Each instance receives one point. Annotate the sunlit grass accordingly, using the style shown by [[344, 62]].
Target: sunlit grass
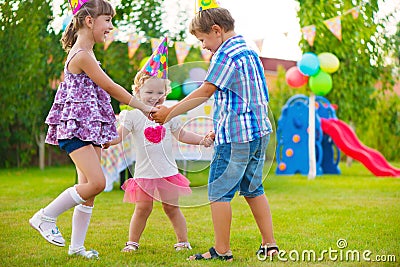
[[308, 215]]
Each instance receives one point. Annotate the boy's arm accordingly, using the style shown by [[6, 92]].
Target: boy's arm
[[194, 99]]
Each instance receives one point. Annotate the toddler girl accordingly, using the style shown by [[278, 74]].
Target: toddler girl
[[156, 175]]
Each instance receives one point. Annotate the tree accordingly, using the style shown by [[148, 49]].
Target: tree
[[362, 51], [398, 43], [32, 57], [143, 15], [363, 54], [25, 90]]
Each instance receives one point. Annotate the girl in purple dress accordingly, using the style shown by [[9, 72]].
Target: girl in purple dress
[[81, 121]]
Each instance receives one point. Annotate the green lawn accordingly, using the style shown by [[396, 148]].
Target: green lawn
[[309, 216]]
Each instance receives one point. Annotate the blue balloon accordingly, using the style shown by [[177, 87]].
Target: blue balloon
[[66, 21], [308, 64], [189, 86]]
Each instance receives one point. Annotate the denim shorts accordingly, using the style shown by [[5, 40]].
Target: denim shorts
[[237, 167], [73, 144]]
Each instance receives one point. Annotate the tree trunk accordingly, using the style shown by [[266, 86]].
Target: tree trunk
[[41, 151]]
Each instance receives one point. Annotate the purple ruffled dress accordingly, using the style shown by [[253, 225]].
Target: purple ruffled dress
[[80, 109]]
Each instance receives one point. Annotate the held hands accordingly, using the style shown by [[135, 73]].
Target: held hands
[[161, 115], [106, 145], [112, 143], [148, 111], [208, 139]]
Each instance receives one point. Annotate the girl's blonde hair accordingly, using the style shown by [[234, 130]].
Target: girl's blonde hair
[[93, 8], [204, 20], [140, 79]]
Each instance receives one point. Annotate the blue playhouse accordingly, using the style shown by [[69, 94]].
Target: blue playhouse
[[292, 137]]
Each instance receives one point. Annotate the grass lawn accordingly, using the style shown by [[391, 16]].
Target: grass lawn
[[309, 216]]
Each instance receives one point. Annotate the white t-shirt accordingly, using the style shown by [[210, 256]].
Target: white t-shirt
[[152, 160]]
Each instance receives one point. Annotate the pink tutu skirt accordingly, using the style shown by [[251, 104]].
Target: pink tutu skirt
[[167, 189]]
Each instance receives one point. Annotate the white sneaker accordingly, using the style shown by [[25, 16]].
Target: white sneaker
[[52, 234], [182, 246], [81, 251]]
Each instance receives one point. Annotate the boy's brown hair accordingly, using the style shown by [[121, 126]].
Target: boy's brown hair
[[204, 20]]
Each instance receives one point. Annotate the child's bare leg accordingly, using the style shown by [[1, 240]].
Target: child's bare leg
[[222, 217], [178, 221], [87, 160], [221, 213], [262, 214], [139, 219]]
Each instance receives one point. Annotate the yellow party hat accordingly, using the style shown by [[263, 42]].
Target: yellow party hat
[[206, 4]]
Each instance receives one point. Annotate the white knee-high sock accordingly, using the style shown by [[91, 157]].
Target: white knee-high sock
[[66, 200], [80, 224]]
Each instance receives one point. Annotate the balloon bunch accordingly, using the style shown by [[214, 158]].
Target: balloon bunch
[[316, 70]]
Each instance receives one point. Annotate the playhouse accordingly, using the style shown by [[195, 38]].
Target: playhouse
[[292, 138], [332, 136]]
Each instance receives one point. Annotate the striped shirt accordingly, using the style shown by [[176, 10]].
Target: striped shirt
[[241, 100]]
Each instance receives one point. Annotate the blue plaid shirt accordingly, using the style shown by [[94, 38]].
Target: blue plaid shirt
[[241, 100]]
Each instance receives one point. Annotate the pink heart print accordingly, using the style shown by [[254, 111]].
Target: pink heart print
[[155, 134]]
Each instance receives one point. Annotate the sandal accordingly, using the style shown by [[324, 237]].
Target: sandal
[[130, 246], [81, 251], [214, 255], [182, 245], [52, 235], [269, 250]]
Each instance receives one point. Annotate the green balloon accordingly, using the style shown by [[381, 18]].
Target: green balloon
[[143, 62], [176, 91], [321, 83]]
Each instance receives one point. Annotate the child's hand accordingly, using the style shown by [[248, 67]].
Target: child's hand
[[148, 111], [160, 116], [106, 145], [208, 140], [114, 142]]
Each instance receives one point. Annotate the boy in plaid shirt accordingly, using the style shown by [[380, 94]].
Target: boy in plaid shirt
[[236, 80]]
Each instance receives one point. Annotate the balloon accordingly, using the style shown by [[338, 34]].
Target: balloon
[[176, 91], [66, 21], [295, 78], [308, 64], [321, 83], [328, 62], [188, 86], [143, 62], [197, 74]]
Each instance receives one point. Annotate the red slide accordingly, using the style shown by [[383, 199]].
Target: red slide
[[347, 141]]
